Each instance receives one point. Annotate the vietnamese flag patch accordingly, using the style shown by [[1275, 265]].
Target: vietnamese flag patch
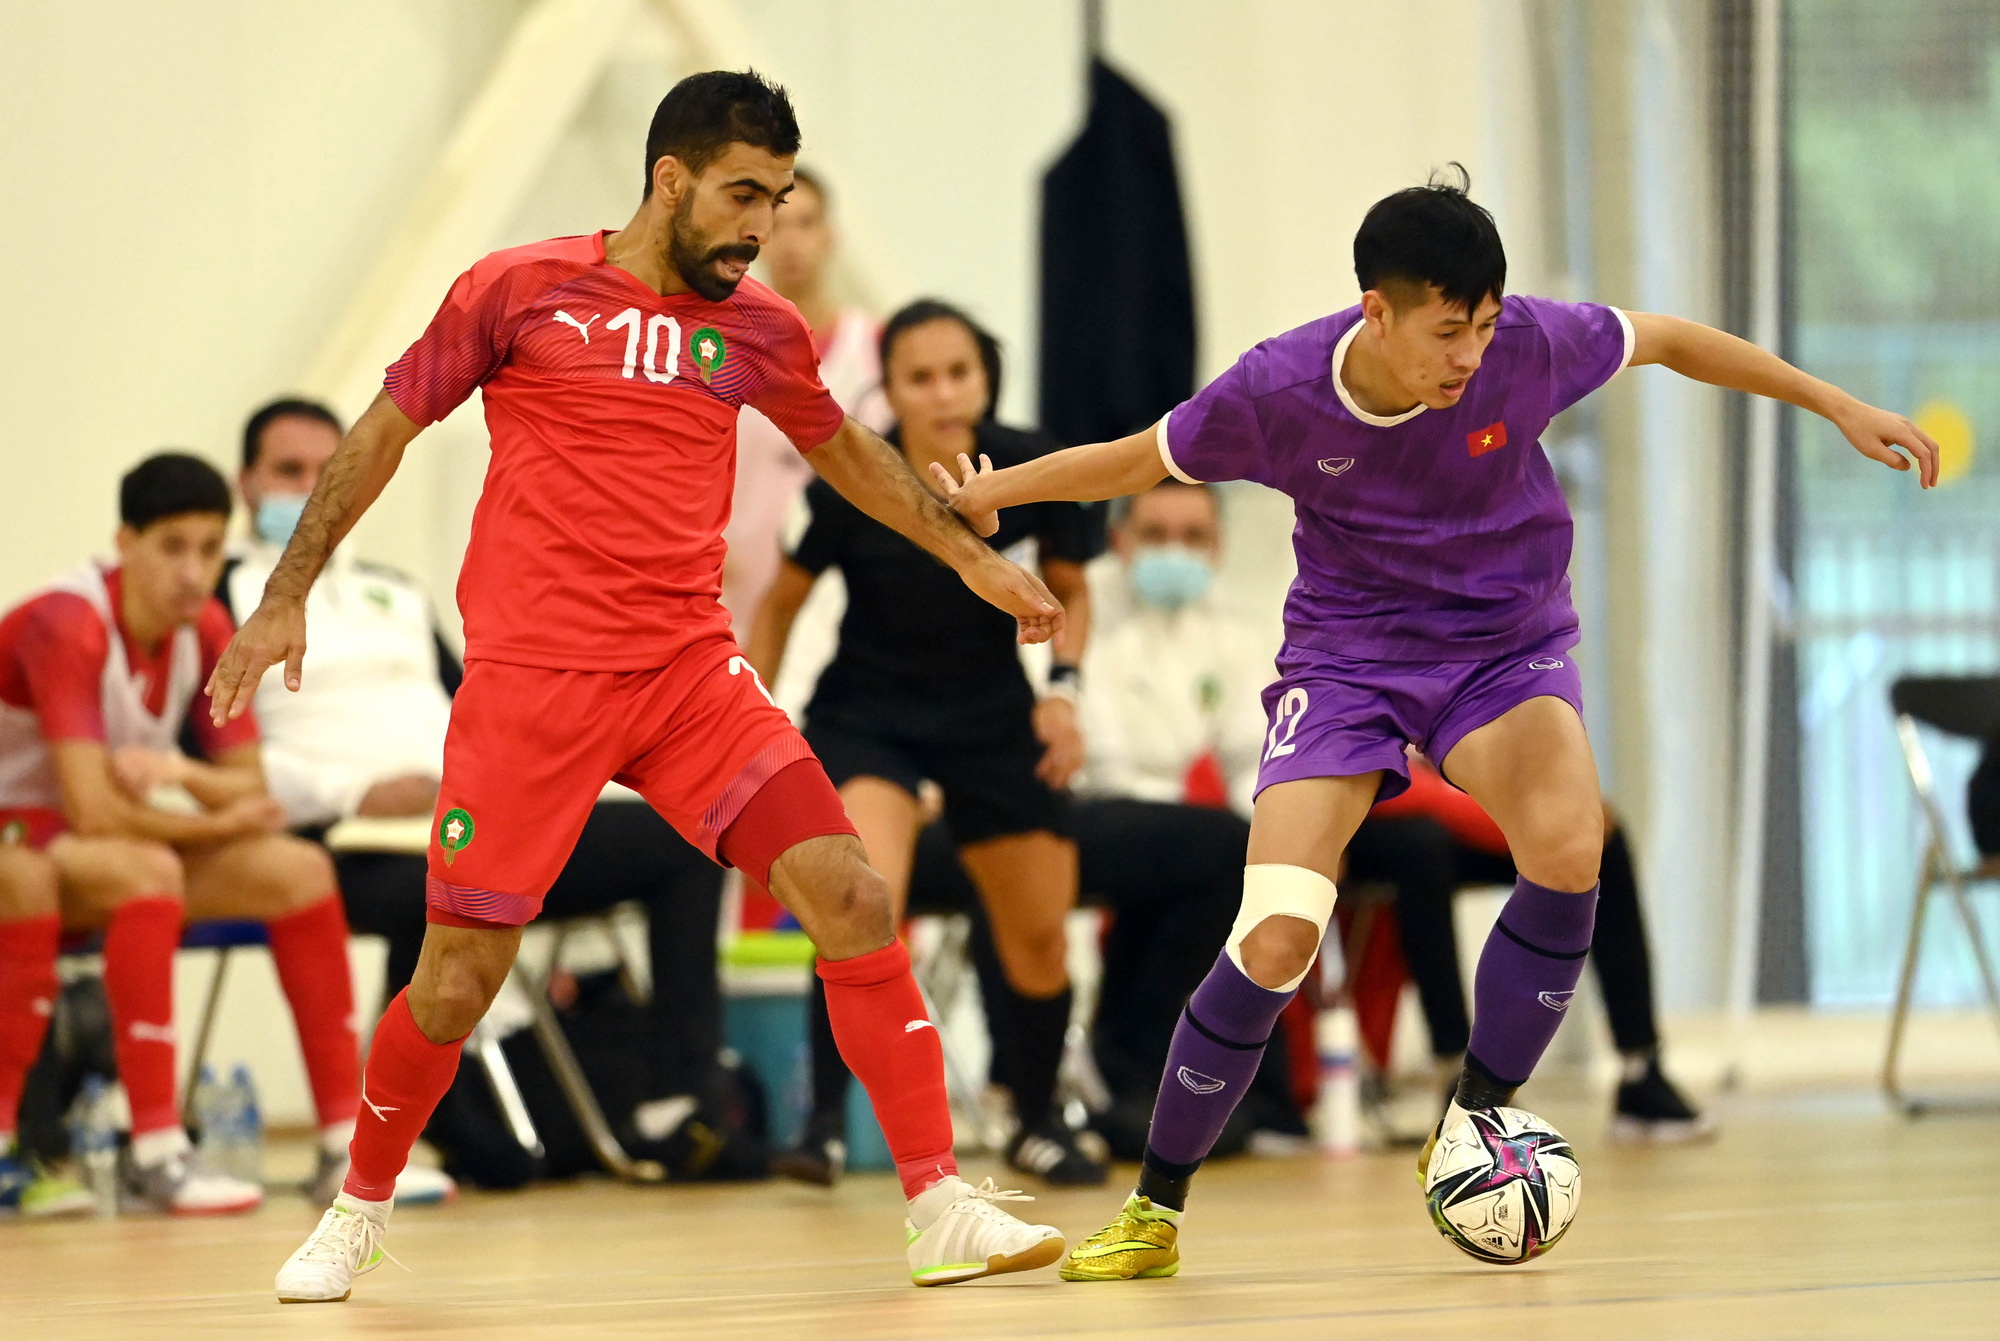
[[1489, 439]]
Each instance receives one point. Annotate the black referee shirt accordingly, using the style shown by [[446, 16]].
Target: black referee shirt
[[921, 658]]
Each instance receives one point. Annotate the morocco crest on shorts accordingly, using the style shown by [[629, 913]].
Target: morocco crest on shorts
[[454, 833]]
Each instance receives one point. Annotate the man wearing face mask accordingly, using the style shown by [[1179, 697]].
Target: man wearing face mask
[[369, 740]]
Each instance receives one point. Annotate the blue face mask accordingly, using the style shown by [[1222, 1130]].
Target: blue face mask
[[1169, 576], [278, 516]]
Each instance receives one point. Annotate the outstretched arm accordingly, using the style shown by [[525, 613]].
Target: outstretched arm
[[873, 476], [276, 631], [1720, 359], [1091, 474]]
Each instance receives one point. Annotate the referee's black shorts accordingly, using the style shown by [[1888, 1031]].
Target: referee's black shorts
[[989, 783]]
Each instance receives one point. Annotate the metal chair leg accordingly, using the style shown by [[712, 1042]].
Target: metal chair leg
[[506, 1091], [1974, 932], [199, 1053], [576, 1088], [1906, 984]]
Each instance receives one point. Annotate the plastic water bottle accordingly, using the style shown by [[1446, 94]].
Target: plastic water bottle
[[93, 1139], [246, 1146], [1337, 1114], [211, 1117]]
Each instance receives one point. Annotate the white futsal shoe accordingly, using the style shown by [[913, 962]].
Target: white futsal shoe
[[178, 1186], [348, 1243], [968, 1236]]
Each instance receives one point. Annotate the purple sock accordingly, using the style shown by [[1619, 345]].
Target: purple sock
[[1527, 973], [1217, 1046]]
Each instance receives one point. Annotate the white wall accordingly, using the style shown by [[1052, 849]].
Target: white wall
[[190, 191]]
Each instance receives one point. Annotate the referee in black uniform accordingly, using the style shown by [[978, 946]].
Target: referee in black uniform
[[927, 684]]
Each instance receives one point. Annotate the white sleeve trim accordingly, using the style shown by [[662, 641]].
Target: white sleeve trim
[[1631, 341], [1167, 457]]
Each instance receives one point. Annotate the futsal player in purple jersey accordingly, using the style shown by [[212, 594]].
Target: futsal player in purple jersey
[[1431, 608]]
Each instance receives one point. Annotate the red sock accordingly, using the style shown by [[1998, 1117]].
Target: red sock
[[27, 999], [887, 1040], [139, 983], [407, 1074], [310, 949]]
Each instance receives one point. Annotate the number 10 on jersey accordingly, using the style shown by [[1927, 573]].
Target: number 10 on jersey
[[655, 369]]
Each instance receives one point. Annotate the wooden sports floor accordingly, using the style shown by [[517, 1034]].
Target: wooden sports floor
[[1809, 1218]]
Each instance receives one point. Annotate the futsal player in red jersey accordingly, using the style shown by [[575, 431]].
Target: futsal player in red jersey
[[613, 368]]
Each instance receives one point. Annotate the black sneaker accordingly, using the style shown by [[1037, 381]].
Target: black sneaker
[[819, 1158], [1051, 1153], [1651, 1110]]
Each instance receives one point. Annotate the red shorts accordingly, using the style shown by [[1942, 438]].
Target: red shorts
[[529, 749], [33, 827]]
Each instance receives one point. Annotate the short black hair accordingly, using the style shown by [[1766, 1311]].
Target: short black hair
[[171, 484], [926, 310], [1433, 236], [706, 113], [297, 407]]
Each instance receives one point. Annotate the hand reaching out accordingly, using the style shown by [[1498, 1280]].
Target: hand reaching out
[[1010, 587], [1877, 433], [966, 496]]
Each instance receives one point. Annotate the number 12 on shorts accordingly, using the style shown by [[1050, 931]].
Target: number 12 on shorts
[[1285, 724]]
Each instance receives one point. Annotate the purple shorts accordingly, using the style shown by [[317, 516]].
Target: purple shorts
[[1334, 716]]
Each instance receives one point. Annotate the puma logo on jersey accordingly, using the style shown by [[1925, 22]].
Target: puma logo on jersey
[[1336, 465], [582, 327], [1196, 1082], [1556, 1001], [143, 1032], [915, 1025], [377, 1109]]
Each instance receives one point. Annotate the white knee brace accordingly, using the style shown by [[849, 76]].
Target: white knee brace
[[1280, 891]]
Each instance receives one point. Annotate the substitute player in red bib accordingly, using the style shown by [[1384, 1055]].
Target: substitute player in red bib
[[613, 368]]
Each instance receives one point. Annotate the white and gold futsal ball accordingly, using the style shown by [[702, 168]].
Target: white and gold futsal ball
[[1502, 1185]]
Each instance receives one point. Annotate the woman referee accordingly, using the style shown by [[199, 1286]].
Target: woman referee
[[926, 684]]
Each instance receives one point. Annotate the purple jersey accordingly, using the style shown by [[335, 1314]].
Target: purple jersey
[[1435, 535]]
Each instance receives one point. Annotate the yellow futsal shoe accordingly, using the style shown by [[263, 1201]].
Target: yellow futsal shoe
[[1143, 1242]]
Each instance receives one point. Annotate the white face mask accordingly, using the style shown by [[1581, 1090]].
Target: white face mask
[[278, 516], [1167, 577]]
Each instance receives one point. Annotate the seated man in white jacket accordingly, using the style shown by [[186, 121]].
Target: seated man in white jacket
[[365, 737]]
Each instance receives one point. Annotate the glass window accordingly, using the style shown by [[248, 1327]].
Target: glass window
[[1893, 142]]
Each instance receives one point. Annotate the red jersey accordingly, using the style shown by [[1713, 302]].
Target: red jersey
[[597, 541], [65, 676]]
